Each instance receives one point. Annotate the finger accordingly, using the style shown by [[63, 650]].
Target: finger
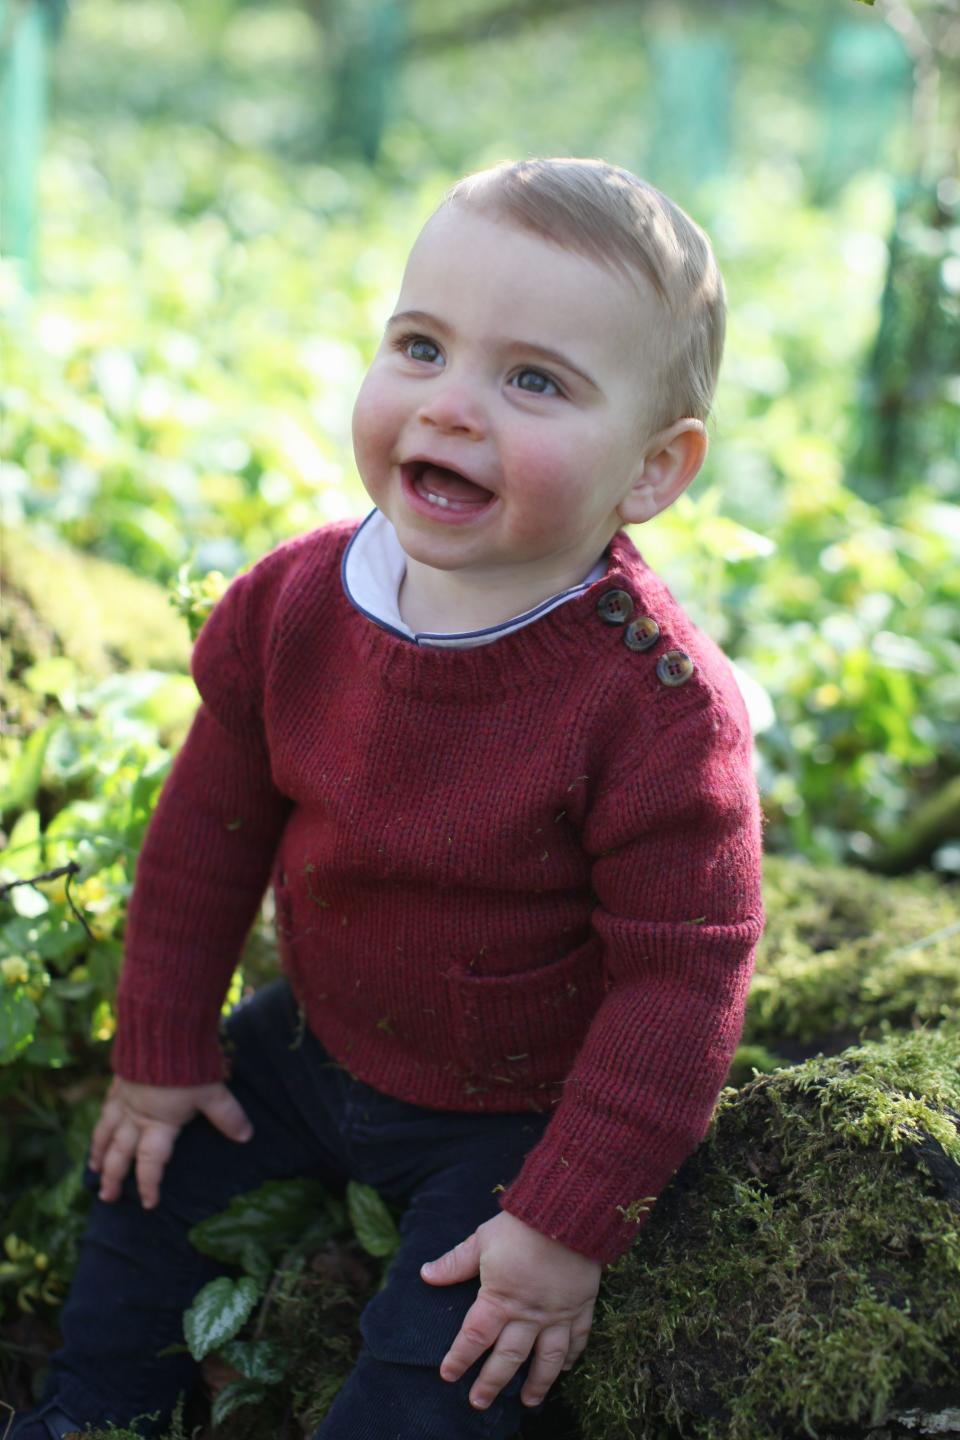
[[482, 1324], [225, 1112], [460, 1263], [574, 1353], [103, 1132], [512, 1348], [549, 1355], [116, 1161], [153, 1152]]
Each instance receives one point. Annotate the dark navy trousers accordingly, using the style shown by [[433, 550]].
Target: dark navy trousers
[[138, 1272]]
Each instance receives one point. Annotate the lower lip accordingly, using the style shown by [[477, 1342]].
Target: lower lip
[[443, 514]]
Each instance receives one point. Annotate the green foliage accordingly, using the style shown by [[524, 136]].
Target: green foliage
[[267, 1221], [374, 1225], [218, 1313], [274, 1234]]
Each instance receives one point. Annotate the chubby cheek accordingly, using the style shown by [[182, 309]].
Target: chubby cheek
[[375, 429], [547, 488]]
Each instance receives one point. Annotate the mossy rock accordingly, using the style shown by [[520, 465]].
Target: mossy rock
[[847, 956], [802, 1270], [59, 601]]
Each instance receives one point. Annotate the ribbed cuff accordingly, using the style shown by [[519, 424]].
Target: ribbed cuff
[[583, 1200], [164, 1046]]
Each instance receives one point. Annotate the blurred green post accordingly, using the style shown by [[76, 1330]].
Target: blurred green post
[[368, 36], [865, 83], [692, 78], [28, 29]]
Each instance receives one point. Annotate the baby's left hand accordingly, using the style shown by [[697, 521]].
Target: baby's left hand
[[535, 1294]]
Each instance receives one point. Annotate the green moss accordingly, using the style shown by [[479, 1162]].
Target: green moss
[[59, 601], [803, 1268], [847, 956], [176, 1431]]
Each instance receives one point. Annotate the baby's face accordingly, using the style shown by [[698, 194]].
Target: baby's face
[[521, 367]]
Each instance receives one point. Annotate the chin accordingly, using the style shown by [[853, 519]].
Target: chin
[[415, 547]]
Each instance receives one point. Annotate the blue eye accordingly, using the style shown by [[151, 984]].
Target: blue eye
[[541, 381], [414, 346]]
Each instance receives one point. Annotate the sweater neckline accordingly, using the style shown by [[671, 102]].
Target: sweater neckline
[[371, 572], [518, 658]]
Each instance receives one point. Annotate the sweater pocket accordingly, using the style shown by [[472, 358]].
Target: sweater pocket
[[528, 1025]]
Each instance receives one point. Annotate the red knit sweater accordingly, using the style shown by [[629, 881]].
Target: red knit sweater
[[520, 876]]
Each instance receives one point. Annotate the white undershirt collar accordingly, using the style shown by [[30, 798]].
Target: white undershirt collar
[[373, 568]]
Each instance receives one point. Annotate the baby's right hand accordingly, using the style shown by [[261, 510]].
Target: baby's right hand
[[144, 1121]]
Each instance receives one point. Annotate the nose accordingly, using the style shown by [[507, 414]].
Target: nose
[[452, 408]]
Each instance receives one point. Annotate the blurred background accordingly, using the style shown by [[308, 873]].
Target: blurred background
[[207, 209]]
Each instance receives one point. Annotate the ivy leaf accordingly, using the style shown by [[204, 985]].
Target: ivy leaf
[[232, 1396], [218, 1313], [372, 1222], [271, 1218], [260, 1360]]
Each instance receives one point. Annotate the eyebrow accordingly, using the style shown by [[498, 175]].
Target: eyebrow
[[433, 322]]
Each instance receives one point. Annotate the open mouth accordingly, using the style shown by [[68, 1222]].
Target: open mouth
[[445, 488]]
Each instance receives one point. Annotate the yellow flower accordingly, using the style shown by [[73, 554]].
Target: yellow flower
[[15, 971], [55, 890], [92, 891]]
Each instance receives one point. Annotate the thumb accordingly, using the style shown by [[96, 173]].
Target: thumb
[[225, 1112], [457, 1264]]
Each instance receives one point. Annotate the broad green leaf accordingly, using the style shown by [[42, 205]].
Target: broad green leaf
[[272, 1217], [233, 1396], [143, 798], [256, 1262], [373, 1224], [218, 1313], [18, 1018], [62, 940], [22, 858], [23, 781], [256, 1360], [49, 1051]]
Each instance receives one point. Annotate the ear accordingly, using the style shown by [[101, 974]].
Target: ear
[[673, 458]]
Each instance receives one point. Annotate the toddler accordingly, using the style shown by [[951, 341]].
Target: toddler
[[502, 788]]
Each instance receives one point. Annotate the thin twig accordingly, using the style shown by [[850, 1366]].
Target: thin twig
[[927, 939], [72, 869], [69, 870]]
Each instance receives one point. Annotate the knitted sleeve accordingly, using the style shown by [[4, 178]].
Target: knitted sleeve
[[204, 864], [643, 1088]]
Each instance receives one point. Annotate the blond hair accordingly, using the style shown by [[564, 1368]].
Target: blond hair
[[612, 216]]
